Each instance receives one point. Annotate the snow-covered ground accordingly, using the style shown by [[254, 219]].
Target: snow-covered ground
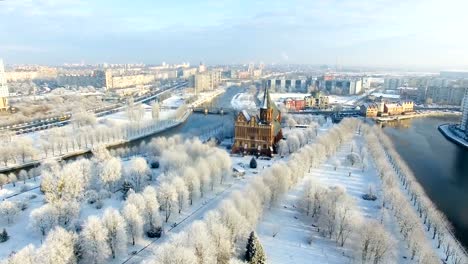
[[297, 241], [21, 234]]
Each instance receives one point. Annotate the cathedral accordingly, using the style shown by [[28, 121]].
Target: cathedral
[[258, 134]]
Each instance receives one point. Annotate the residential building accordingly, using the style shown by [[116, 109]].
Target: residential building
[[369, 110], [392, 83], [452, 95], [294, 104], [94, 78], [22, 74], [316, 100], [340, 86], [258, 134], [3, 89], [207, 81], [393, 109]]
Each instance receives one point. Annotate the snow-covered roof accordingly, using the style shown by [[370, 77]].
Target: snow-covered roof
[[246, 115]]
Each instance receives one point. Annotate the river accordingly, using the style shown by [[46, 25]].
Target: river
[[440, 166]]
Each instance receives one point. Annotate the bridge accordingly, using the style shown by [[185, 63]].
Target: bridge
[[213, 110]]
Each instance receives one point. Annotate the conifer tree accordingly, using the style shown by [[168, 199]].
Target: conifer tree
[[253, 163], [4, 236], [254, 253]]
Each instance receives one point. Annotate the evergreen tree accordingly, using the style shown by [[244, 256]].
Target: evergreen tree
[[4, 236], [254, 253], [253, 163]]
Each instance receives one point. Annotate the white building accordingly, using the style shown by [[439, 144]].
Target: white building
[[3, 88], [464, 108]]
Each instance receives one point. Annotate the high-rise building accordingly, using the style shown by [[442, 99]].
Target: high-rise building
[[464, 108], [207, 81], [392, 83], [3, 89]]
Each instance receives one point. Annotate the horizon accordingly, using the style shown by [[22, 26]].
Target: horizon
[[407, 34]]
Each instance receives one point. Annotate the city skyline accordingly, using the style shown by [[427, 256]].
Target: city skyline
[[421, 34]]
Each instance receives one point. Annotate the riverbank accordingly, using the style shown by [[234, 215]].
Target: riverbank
[[445, 129], [440, 166], [429, 113]]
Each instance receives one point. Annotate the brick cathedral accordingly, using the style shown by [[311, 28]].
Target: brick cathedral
[[258, 134]]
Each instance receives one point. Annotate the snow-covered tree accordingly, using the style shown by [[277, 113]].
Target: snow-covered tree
[[376, 244], [27, 255], [155, 109], [59, 247], [293, 143], [116, 231], [8, 211], [201, 242], [193, 184], [137, 172], [167, 197], [43, 219], [134, 222], [151, 214], [94, 247], [170, 253], [111, 172], [23, 176], [3, 180], [182, 193]]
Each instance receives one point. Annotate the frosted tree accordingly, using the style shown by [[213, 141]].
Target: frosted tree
[[167, 197], [23, 176], [182, 193], [65, 184], [67, 212], [346, 220], [155, 109], [3, 180], [376, 244], [193, 184], [201, 242], [111, 172], [83, 118], [137, 172], [151, 215], [220, 235], [12, 179], [283, 148], [43, 219], [93, 241], [232, 219], [134, 222], [27, 255], [171, 253], [254, 251], [293, 143], [116, 231], [8, 211], [59, 247]]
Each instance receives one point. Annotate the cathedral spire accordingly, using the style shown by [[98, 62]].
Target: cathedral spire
[[266, 99]]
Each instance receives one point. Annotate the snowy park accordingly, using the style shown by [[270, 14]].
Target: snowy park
[[334, 193]]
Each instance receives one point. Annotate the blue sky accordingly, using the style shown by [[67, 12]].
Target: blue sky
[[429, 33]]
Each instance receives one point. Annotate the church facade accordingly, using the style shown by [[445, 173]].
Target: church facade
[[258, 134]]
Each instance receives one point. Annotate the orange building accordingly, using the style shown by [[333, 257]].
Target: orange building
[[258, 134]]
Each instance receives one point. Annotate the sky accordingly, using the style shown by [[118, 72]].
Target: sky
[[407, 33]]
